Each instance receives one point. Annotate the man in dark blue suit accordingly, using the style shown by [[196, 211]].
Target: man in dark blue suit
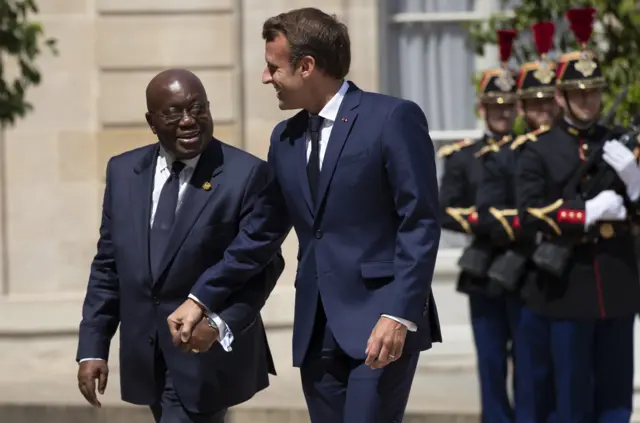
[[172, 211], [358, 175]]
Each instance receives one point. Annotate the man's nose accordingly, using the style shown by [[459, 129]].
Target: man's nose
[[266, 76]]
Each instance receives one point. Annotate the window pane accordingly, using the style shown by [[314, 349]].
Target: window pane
[[422, 6], [432, 65]]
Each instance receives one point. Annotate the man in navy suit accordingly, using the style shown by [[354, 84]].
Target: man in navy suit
[[171, 212], [358, 176]]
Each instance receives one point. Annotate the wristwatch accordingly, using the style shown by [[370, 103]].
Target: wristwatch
[[213, 325]]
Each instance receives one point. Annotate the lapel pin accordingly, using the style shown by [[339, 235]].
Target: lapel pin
[[206, 186], [344, 119]]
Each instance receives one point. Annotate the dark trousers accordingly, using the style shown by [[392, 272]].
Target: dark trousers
[[168, 408], [340, 389], [494, 321], [535, 385], [592, 361]]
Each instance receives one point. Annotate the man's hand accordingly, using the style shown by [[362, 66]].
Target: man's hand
[[202, 338], [385, 343], [88, 372], [183, 321], [607, 205]]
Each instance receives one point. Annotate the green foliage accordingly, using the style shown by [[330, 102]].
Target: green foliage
[[616, 39], [20, 42]]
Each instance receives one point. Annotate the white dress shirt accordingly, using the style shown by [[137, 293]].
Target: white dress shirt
[[329, 113], [162, 174]]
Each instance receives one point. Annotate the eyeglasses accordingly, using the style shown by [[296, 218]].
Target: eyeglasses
[[196, 111]]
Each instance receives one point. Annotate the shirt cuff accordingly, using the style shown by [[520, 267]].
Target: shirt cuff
[[89, 359], [412, 327], [225, 337]]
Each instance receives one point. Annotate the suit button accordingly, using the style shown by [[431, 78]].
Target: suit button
[[318, 234], [151, 340], [156, 300]]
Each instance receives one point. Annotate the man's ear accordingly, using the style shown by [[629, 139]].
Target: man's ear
[[307, 64], [147, 116], [481, 110]]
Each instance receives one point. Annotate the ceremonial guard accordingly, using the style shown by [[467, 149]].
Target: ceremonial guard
[[586, 292], [493, 314], [536, 88]]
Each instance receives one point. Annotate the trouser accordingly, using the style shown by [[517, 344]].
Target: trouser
[[590, 361], [341, 389], [494, 321]]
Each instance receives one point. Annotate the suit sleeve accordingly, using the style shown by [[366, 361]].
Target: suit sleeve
[[537, 214], [243, 307], [101, 307], [411, 172], [495, 218], [455, 214], [264, 224]]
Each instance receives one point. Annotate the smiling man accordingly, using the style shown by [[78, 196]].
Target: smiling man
[[357, 171], [172, 211]]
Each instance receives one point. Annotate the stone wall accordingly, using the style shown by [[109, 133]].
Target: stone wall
[[90, 107]]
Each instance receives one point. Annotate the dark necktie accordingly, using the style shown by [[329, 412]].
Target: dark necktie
[[313, 166], [163, 220]]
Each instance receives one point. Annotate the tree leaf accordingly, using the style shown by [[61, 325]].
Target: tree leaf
[[21, 39]]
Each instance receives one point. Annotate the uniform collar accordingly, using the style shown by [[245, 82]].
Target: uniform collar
[[575, 131], [491, 138]]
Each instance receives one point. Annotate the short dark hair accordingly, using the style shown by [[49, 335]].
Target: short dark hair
[[311, 32]]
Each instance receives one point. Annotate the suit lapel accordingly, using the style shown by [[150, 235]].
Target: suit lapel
[[297, 134], [201, 188], [141, 190], [339, 134]]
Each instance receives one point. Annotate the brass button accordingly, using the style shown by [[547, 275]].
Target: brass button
[[607, 231]]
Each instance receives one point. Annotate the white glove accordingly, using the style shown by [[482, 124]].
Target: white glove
[[624, 162], [605, 206]]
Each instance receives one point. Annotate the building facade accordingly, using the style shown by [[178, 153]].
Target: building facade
[[90, 106]]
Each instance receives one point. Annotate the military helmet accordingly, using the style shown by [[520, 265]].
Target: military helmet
[[498, 85], [537, 79], [581, 69]]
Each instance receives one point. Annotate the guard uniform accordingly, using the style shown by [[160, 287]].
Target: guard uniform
[[535, 382], [494, 313], [585, 292]]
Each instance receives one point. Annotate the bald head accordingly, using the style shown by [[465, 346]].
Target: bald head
[[178, 113], [172, 82]]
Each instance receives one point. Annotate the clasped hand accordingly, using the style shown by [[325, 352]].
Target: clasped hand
[[189, 328], [607, 205]]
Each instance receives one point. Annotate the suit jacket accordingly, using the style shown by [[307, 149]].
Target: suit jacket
[[369, 245], [121, 290]]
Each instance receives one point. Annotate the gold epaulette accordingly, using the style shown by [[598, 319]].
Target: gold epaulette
[[494, 147], [531, 136], [448, 150]]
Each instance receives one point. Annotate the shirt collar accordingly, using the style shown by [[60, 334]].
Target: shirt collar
[[331, 109], [165, 160]]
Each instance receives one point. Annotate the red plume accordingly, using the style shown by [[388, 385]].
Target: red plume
[[543, 36], [581, 21], [505, 42]]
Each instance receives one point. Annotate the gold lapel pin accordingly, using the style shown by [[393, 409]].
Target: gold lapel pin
[[206, 186]]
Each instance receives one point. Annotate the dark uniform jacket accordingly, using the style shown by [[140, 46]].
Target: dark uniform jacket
[[498, 216], [601, 277], [458, 191]]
